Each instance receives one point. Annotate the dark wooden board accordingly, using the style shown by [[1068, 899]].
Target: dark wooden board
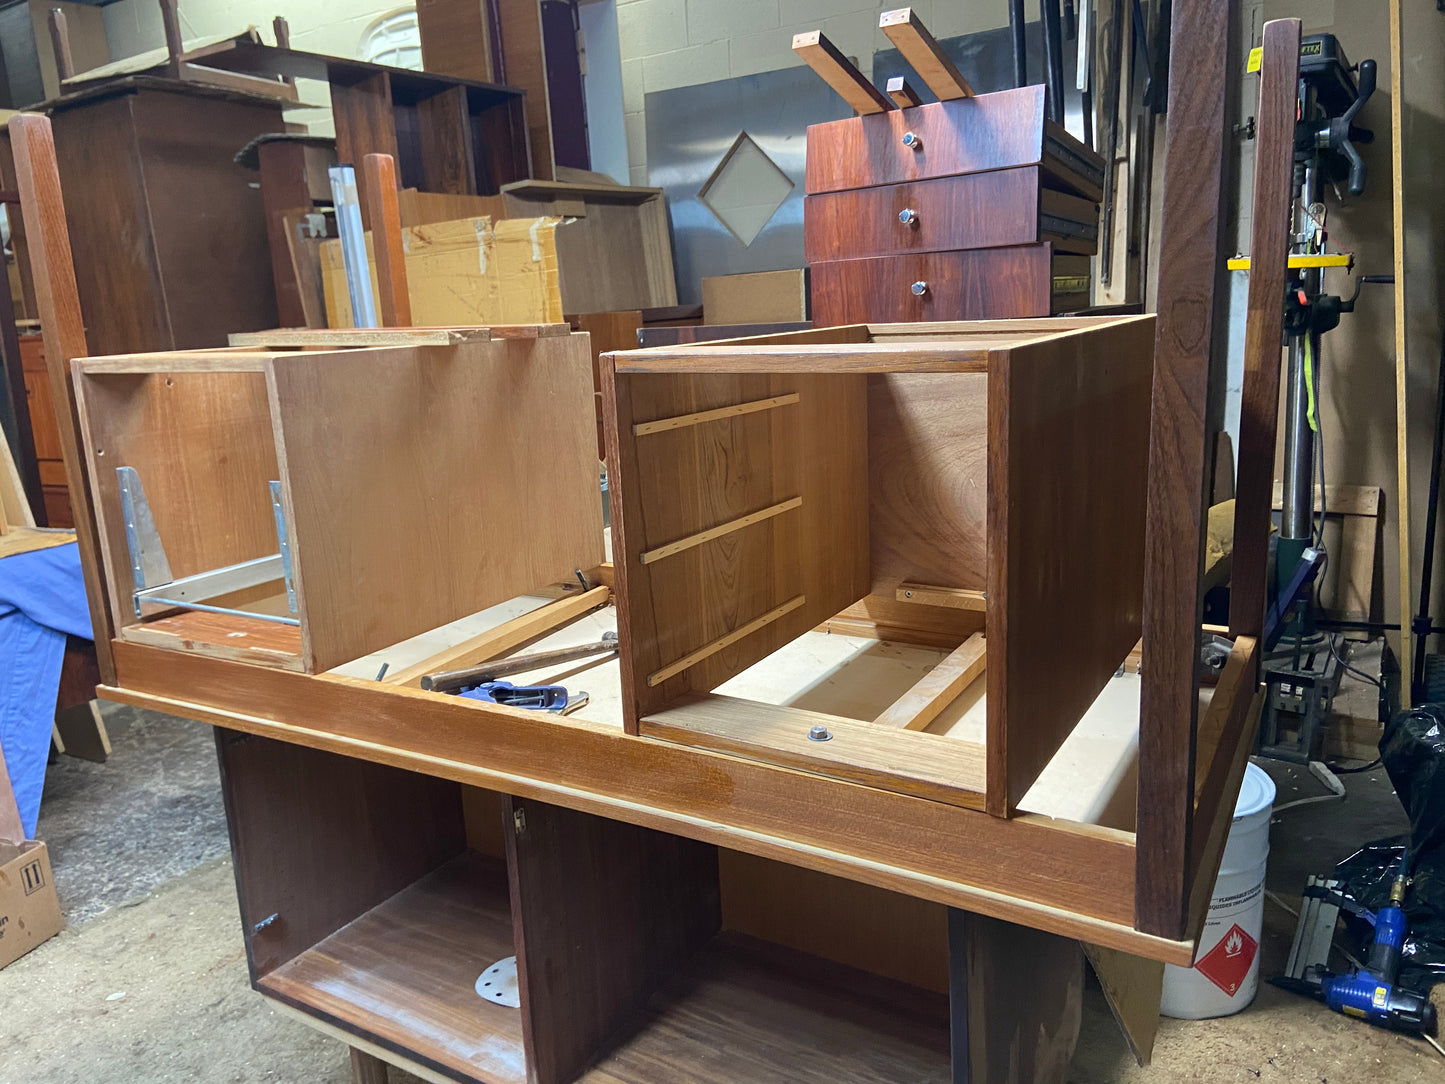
[[1191, 273], [980, 210], [1264, 323], [319, 839], [1068, 440], [981, 284], [604, 913]]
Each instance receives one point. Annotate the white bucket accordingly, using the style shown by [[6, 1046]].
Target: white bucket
[[1225, 974]]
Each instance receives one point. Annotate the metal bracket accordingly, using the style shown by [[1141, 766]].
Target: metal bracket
[[498, 983], [153, 582]]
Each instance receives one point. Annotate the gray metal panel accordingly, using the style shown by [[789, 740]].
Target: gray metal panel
[[690, 129]]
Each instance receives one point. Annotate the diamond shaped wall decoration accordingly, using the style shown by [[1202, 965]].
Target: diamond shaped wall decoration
[[746, 189]]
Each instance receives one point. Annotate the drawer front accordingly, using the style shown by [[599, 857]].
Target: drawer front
[[981, 210], [991, 131], [52, 472], [32, 353], [981, 284]]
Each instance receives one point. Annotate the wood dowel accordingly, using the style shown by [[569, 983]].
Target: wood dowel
[[908, 34], [682, 421], [721, 529], [60, 42], [175, 47], [695, 657], [838, 72], [902, 93], [394, 301]]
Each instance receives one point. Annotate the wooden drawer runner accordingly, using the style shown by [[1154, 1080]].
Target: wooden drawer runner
[[981, 210], [978, 284]]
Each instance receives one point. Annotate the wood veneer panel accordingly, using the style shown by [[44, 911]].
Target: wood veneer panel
[[604, 913], [757, 1012], [1264, 323], [1180, 450], [672, 484], [1067, 469], [977, 284], [444, 131], [980, 210], [402, 975], [437, 434], [1069, 879], [365, 123], [204, 448], [318, 839], [928, 479], [991, 131]]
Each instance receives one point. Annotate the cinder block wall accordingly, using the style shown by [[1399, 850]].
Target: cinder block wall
[[678, 43]]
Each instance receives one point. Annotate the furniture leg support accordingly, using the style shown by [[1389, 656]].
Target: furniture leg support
[[367, 1068], [1016, 1001]]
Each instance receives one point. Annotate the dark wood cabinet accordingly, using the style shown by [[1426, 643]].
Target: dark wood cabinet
[[168, 232]]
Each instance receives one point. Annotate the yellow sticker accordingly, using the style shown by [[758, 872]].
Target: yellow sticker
[[1256, 57], [1382, 997]]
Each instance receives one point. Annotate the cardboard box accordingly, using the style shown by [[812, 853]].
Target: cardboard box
[[761, 297], [29, 909]]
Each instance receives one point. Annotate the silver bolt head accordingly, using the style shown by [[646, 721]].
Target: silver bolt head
[[912, 141], [908, 217], [819, 733], [919, 289]]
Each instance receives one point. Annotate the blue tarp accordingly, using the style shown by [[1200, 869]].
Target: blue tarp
[[42, 598]]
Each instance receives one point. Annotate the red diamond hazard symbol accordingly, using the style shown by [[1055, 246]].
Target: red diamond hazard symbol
[[1227, 963]]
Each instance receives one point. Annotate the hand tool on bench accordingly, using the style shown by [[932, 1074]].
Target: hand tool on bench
[[553, 698], [449, 681]]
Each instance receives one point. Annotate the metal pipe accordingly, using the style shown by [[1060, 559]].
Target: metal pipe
[[1053, 58], [1016, 26]]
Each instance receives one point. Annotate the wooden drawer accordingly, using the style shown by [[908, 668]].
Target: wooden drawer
[[32, 353], [52, 472], [42, 415], [57, 506], [970, 135], [978, 284], [981, 210]]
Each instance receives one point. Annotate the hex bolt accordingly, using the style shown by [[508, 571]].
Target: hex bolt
[[908, 217], [913, 141], [819, 733], [919, 288]]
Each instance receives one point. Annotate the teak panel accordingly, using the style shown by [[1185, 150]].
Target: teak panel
[[969, 135], [603, 914], [480, 460], [1068, 464], [670, 484], [977, 284], [980, 210], [203, 446], [928, 479]]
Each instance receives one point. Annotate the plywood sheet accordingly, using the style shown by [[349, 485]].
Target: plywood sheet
[[426, 483]]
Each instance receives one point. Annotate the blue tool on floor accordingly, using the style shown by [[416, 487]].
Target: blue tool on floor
[[552, 698], [1371, 992]]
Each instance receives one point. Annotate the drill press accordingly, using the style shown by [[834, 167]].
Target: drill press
[[1302, 675]]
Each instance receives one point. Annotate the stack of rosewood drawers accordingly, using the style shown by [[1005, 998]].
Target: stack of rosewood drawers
[[978, 207]]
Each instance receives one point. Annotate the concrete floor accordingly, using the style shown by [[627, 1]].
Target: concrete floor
[[148, 983]]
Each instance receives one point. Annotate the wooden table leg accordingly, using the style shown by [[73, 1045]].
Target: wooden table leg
[[367, 1068], [1017, 998]]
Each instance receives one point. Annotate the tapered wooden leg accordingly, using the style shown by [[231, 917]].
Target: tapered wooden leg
[[1016, 1001], [367, 1068]]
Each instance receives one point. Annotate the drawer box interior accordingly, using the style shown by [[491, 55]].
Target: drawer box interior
[[763, 487], [302, 507]]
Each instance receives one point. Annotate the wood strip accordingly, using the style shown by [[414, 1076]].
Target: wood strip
[[1190, 275], [902, 93], [393, 299], [681, 421], [1133, 987], [692, 658], [911, 38], [1339, 500], [1069, 879], [648, 556], [838, 72], [58, 300], [502, 639], [928, 357], [955, 598], [60, 43], [938, 688], [1402, 370], [928, 766], [1264, 327], [282, 338]]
